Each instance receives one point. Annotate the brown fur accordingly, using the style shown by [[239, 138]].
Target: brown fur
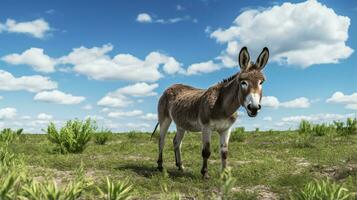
[[212, 109]]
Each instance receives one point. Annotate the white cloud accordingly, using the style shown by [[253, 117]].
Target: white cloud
[[34, 83], [149, 116], [125, 114], [7, 113], [144, 18], [267, 118], [271, 101], [58, 97], [317, 36], [87, 107], [118, 101], [323, 117], [33, 57], [36, 28], [1, 97], [203, 67], [44, 116], [96, 64], [137, 90], [119, 98], [349, 100]]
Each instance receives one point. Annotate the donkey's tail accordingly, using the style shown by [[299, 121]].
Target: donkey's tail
[[154, 130]]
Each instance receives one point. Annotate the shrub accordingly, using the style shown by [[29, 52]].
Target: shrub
[[303, 141], [320, 190], [116, 191], [305, 127], [227, 183], [238, 134], [73, 137], [349, 129], [7, 135], [102, 137]]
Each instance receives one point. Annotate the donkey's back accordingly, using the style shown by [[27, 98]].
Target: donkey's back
[[181, 103]]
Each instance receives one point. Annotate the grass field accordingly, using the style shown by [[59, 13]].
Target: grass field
[[264, 165]]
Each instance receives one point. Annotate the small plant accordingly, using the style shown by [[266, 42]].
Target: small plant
[[7, 186], [349, 129], [102, 137], [73, 137], [321, 190], [303, 141], [6, 157], [227, 183], [305, 127], [116, 191], [8, 135], [238, 134]]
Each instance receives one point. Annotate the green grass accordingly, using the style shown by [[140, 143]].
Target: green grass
[[262, 163]]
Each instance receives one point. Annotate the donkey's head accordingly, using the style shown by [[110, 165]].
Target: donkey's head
[[250, 80]]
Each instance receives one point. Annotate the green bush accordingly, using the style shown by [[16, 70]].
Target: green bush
[[323, 190], [116, 191], [350, 128], [73, 137], [8, 135], [102, 137], [238, 134], [305, 127]]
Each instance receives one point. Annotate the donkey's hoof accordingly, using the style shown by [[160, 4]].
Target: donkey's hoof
[[181, 168], [160, 168], [205, 176]]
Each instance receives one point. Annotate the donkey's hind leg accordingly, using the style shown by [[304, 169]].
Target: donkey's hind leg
[[164, 126], [177, 147]]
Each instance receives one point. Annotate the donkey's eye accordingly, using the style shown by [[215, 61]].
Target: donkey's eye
[[261, 82], [244, 84]]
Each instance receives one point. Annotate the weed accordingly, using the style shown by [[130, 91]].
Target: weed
[[116, 191], [73, 137]]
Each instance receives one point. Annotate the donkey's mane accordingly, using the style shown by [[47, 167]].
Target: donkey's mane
[[226, 80]]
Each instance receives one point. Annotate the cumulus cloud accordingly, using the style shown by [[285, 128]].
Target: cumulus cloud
[[349, 100], [144, 18], [119, 98], [203, 67], [34, 83], [34, 57], [96, 64], [317, 36], [44, 116], [149, 117], [271, 101], [87, 107], [7, 113], [323, 117], [36, 28], [137, 90], [120, 114], [58, 97]]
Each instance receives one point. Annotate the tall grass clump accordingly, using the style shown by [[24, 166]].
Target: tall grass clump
[[323, 190], [116, 190], [227, 183], [8, 135], [238, 134], [102, 137], [305, 127], [73, 137], [350, 128]]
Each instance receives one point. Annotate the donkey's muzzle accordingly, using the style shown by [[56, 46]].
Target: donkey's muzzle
[[253, 109]]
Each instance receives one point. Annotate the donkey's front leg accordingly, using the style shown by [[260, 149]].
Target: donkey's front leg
[[224, 139], [206, 150]]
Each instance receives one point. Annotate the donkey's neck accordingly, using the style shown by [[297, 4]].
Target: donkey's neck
[[229, 98]]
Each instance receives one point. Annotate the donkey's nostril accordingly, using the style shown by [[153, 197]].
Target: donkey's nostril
[[249, 107], [259, 107]]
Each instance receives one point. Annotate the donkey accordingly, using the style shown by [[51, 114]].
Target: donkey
[[213, 109]]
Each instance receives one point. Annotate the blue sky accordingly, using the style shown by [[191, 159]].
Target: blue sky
[[61, 60]]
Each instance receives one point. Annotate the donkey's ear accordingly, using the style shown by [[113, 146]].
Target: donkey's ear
[[262, 59], [244, 58]]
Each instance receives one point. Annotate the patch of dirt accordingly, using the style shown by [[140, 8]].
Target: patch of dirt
[[263, 192], [335, 172]]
